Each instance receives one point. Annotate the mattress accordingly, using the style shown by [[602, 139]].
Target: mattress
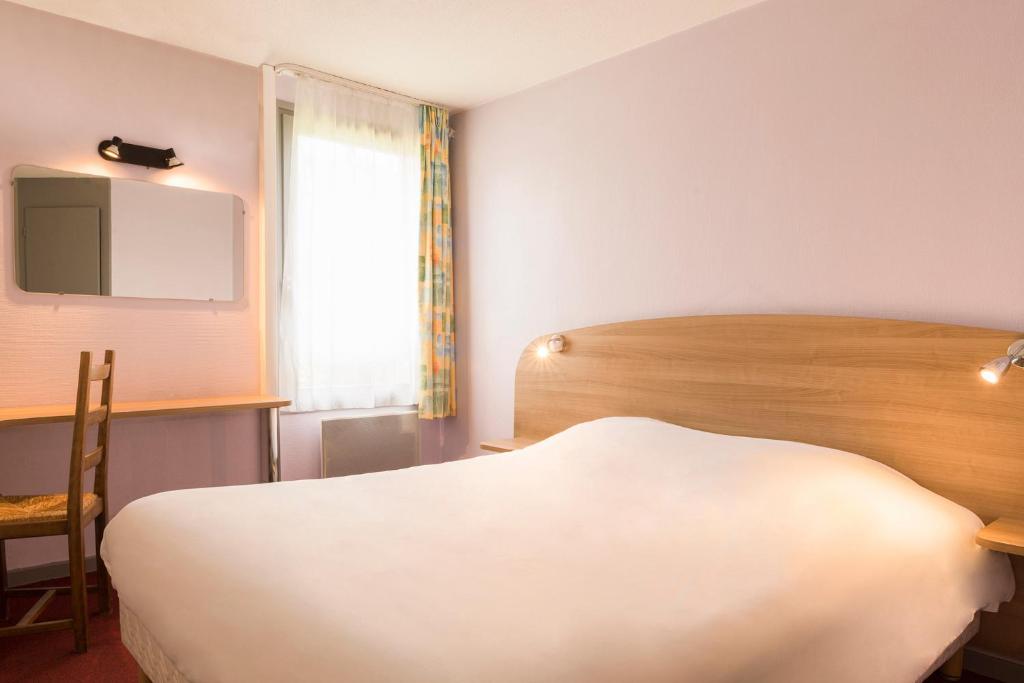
[[620, 549]]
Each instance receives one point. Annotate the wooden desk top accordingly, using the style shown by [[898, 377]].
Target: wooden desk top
[[24, 415]]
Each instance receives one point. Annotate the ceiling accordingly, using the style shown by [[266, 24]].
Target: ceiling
[[461, 53]]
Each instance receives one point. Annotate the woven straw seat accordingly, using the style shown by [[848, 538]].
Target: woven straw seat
[[51, 507]]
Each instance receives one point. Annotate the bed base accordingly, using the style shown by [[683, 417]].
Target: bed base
[[154, 666], [144, 649], [953, 669]]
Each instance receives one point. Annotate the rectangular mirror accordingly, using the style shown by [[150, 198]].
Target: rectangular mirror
[[82, 234]]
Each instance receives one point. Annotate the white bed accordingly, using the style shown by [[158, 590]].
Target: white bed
[[620, 549]]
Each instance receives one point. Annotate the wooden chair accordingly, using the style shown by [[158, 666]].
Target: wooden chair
[[59, 513]]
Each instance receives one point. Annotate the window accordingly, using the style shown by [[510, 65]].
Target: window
[[349, 335]]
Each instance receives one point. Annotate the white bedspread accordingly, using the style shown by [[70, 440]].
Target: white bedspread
[[620, 550]]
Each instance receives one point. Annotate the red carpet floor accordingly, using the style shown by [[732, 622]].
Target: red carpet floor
[[50, 656]]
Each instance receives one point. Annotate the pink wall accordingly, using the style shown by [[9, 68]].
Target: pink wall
[[68, 85], [856, 157]]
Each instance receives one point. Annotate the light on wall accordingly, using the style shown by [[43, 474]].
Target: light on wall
[[116, 149], [994, 370], [554, 344], [110, 149]]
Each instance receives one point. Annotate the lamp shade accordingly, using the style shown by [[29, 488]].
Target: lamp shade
[[994, 370], [111, 149]]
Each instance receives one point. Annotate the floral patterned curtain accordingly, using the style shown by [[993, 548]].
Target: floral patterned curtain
[[436, 276]]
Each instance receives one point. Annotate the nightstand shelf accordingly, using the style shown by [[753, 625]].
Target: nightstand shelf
[[1005, 535], [506, 445]]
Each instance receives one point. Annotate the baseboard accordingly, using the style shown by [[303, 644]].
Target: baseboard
[[44, 572], [994, 666]]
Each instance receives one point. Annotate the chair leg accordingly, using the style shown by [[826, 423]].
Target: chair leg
[[79, 595], [102, 577], [3, 582]]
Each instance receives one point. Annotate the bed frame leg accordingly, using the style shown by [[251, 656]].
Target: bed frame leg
[[143, 678], [953, 669]]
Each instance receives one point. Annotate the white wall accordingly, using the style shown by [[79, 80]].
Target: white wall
[[58, 103], [860, 157]]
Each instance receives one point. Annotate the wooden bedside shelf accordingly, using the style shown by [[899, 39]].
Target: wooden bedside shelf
[[506, 445], [1005, 535]]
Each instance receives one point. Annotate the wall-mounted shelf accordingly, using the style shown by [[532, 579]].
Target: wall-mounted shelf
[[1005, 535], [506, 445]]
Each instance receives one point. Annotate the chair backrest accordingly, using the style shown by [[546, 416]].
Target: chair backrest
[[85, 416]]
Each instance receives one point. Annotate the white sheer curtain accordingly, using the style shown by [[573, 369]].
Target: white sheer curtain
[[349, 321]]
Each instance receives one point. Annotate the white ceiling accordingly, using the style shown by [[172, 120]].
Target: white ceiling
[[456, 52]]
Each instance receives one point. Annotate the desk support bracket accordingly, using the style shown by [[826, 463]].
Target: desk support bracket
[[273, 444]]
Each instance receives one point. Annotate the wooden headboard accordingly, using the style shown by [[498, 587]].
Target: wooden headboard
[[903, 393]]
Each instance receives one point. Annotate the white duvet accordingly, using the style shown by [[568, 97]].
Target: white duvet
[[624, 549]]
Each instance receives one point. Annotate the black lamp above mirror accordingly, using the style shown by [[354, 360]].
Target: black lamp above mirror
[[116, 149]]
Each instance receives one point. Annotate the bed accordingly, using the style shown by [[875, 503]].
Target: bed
[[616, 547]]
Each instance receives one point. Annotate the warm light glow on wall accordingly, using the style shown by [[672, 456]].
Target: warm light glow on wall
[[182, 179], [87, 167]]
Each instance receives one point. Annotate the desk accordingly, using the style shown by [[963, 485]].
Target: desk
[[27, 415]]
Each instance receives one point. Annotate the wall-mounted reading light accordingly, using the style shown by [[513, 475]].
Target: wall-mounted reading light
[[110, 149], [554, 344], [994, 370], [116, 149]]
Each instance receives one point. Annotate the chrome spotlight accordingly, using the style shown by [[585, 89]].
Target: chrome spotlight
[[994, 370]]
